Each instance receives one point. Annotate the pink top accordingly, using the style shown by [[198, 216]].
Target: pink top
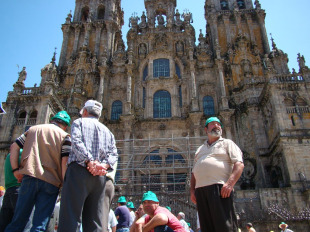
[[173, 222]]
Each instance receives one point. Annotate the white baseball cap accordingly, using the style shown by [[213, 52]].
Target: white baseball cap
[[92, 103]]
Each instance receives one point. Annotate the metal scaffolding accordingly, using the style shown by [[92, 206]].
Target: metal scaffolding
[[161, 165]]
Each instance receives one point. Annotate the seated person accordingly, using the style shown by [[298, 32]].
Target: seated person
[[157, 218]]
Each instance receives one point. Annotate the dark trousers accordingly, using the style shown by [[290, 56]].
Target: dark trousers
[[163, 228], [8, 207], [216, 214], [81, 200]]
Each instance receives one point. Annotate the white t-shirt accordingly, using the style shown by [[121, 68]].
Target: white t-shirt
[[112, 221]]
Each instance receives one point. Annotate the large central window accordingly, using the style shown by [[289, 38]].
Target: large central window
[[162, 104], [161, 68]]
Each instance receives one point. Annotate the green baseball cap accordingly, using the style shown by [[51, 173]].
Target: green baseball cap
[[121, 199], [213, 119], [130, 205], [63, 116], [149, 196], [167, 207]]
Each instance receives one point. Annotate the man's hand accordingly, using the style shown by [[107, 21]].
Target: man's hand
[[226, 190], [193, 197], [96, 168], [18, 176]]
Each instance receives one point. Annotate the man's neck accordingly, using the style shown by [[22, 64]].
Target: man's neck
[[211, 140]]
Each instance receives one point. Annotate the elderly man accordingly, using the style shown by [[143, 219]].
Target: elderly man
[[218, 166], [43, 165], [181, 217], [93, 154], [158, 218]]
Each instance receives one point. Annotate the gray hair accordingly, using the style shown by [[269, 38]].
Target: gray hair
[[182, 215], [93, 111]]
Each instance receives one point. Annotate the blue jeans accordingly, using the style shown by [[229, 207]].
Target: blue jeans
[[122, 230], [38, 193], [8, 207], [163, 228]]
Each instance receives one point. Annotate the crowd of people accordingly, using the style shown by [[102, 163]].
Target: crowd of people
[[46, 158]]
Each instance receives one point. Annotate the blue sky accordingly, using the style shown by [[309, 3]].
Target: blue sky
[[32, 29]]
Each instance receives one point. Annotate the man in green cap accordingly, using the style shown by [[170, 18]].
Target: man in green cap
[[131, 208], [122, 215], [217, 167], [158, 219], [46, 148]]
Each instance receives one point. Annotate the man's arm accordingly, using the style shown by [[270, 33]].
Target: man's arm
[[14, 151], [158, 220], [64, 161], [193, 184], [233, 178]]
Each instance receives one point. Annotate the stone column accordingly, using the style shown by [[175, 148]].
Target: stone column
[[195, 106], [250, 25], [224, 100], [127, 122], [129, 90], [195, 118], [238, 19], [214, 29], [103, 69], [227, 123], [261, 17], [98, 36], [64, 48], [87, 32], [109, 42], [76, 38], [227, 28]]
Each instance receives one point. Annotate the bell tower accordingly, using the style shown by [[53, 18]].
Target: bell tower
[[229, 19], [158, 9], [90, 38]]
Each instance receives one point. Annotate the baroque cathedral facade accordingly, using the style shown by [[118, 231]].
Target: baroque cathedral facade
[[158, 92]]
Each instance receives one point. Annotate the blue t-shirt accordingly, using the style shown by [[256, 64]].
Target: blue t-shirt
[[123, 214]]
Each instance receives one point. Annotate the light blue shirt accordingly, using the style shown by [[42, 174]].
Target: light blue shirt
[[91, 140]]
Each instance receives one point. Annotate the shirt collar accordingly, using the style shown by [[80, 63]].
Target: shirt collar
[[207, 144]]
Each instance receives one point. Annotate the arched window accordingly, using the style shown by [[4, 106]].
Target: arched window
[[208, 105], [155, 159], [145, 72], [33, 118], [224, 5], [288, 102], [21, 118], [117, 110], [161, 68], [174, 157], [85, 14], [178, 71], [101, 12], [241, 4], [162, 104]]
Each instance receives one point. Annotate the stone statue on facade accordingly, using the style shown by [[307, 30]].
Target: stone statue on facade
[[143, 21], [142, 50], [301, 61], [160, 20], [22, 75]]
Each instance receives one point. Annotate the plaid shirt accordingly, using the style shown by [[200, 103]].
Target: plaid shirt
[[91, 140]]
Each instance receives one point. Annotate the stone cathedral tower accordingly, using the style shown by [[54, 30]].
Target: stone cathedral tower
[[159, 91]]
